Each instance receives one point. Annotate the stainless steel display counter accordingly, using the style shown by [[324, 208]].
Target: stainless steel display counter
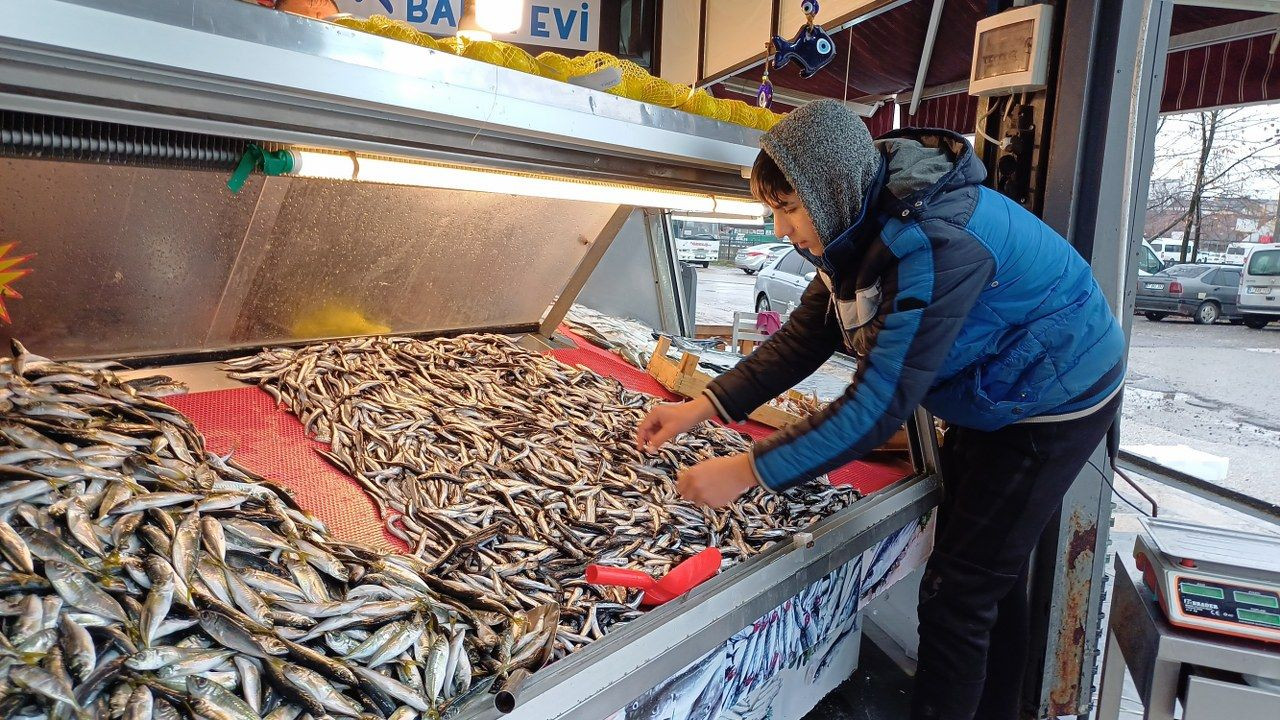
[[119, 124]]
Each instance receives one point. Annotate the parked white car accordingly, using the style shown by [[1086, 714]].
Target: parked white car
[[753, 257], [1260, 286]]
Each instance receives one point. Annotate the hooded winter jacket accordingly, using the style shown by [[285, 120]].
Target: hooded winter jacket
[[949, 294]]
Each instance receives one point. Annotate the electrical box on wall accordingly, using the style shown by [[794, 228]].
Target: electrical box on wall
[[1011, 51]]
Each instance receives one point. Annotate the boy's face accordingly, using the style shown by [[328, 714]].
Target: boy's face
[[791, 222]]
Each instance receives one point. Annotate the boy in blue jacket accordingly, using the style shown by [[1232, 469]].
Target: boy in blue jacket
[[952, 297]]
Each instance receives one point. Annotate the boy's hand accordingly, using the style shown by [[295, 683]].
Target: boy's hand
[[670, 419], [717, 482]]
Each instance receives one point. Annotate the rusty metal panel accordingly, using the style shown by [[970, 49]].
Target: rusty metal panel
[[1072, 648], [127, 260]]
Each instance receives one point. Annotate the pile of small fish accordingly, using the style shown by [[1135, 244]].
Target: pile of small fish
[[798, 404], [508, 472], [143, 577]]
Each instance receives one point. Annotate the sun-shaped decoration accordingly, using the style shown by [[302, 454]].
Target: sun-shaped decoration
[[10, 273]]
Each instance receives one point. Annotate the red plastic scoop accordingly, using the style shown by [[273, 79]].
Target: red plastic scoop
[[682, 578]]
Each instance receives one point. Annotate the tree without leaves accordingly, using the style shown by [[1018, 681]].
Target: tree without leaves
[[1209, 152]]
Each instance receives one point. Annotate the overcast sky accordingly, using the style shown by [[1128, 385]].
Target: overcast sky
[[1252, 130]]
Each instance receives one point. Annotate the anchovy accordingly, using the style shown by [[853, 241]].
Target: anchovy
[[482, 457]]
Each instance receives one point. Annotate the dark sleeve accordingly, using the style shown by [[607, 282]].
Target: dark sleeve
[[800, 347], [926, 311]]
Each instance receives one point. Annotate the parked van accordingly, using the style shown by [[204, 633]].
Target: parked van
[[698, 250], [1237, 251], [1149, 263], [1168, 249], [1260, 286]]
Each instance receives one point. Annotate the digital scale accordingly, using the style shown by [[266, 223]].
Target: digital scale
[[1214, 580]]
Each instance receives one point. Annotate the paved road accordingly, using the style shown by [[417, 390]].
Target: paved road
[[1213, 388], [722, 291]]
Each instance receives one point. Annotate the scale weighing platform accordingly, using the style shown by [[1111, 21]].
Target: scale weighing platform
[[1213, 580]]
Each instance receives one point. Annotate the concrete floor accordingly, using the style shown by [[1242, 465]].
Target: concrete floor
[[877, 690]]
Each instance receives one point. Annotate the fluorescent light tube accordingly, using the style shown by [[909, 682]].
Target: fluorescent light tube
[[332, 166]]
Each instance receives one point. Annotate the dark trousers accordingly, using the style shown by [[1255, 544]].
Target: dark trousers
[[1000, 491]]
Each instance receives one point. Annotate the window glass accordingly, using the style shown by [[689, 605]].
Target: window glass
[[1149, 262], [1266, 262], [791, 263]]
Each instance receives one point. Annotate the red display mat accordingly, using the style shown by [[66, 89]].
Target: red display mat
[[865, 476], [270, 441]]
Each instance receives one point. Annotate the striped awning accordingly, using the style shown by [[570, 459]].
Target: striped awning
[[1238, 72], [956, 112], [880, 57], [882, 121]]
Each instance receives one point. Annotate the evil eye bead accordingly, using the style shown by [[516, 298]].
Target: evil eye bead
[[809, 7], [764, 96], [823, 46]]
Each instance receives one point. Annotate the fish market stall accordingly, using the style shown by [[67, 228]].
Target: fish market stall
[[320, 440]]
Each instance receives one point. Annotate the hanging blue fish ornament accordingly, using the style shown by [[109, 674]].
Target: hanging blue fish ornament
[[812, 47]]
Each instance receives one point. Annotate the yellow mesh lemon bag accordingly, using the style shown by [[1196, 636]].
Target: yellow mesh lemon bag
[[516, 58], [554, 66], [700, 103]]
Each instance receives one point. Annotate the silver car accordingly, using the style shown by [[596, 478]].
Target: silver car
[[750, 259], [1200, 291], [781, 283]]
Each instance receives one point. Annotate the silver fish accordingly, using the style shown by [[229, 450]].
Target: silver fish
[[78, 647], [42, 682], [82, 528], [186, 546], [141, 704], [151, 501], [156, 608], [250, 681], [393, 688], [15, 549], [78, 592], [320, 690], [215, 702], [215, 540]]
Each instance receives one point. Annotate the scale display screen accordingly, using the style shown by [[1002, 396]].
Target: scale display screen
[[1258, 616], [1253, 598], [1204, 591], [1228, 603]]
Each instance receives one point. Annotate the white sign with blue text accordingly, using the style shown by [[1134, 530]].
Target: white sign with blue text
[[569, 24]]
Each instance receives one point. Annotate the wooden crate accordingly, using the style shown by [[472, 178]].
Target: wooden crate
[[686, 380]]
